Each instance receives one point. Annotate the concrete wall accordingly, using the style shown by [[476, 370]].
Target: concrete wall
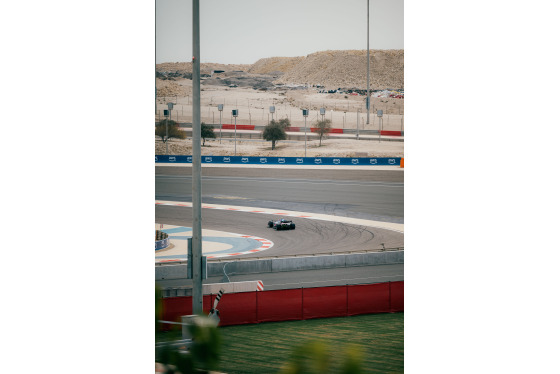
[[216, 269], [214, 288]]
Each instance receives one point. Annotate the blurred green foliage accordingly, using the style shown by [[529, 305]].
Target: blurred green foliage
[[314, 357], [203, 353]]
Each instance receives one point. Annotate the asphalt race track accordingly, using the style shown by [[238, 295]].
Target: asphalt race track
[[309, 237], [367, 194]]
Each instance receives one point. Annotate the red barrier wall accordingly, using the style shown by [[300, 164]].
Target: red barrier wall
[[324, 302], [397, 296], [313, 129], [238, 308], [331, 131], [280, 305], [390, 133], [175, 307], [369, 298], [294, 304], [239, 127]]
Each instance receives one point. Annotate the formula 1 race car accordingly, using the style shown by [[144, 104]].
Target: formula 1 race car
[[282, 224]]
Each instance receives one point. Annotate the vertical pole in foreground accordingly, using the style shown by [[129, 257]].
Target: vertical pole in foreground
[[305, 114], [196, 169], [367, 95]]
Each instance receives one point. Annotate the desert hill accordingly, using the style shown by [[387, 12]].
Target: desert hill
[[331, 69], [347, 69], [338, 69], [273, 65]]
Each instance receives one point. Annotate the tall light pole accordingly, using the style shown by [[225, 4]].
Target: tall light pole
[[234, 113], [220, 108], [165, 114], [305, 114], [196, 168]]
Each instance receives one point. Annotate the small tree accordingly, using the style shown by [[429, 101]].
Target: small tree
[[206, 131], [323, 127], [173, 130], [276, 131], [285, 123]]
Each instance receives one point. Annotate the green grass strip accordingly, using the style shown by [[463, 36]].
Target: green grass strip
[[267, 347]]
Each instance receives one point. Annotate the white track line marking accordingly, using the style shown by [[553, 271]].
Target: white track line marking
[[398, 227]]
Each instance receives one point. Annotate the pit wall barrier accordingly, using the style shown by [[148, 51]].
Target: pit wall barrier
[[294, 304], [253, 160], [217, 269]]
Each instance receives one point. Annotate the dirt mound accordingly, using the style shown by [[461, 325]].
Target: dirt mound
[[275, 65], [170, 88], [346, 69]]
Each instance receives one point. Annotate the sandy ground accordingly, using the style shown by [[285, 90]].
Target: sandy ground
[[330, 148], [345, 111], [253, 107]]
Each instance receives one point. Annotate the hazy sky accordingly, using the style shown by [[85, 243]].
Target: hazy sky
[[243, 31]]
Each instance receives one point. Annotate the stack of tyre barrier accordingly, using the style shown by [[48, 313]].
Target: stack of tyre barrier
[[162, 240], [160, 235]]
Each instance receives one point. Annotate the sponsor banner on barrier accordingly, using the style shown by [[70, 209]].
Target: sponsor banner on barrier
[[382, 161]]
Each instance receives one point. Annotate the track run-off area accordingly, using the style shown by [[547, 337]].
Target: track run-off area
[[336, 210]]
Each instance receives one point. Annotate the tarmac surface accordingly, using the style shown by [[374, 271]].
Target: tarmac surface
[[318, 230]]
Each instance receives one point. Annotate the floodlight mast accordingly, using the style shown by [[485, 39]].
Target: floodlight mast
[[305, 114], [235, 114], [220, 108], [196, 167]]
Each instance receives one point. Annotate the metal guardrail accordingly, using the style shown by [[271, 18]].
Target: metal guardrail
[[222, 260], [219, 260]]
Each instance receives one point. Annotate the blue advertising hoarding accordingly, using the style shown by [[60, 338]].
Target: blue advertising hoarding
[[255, 160]]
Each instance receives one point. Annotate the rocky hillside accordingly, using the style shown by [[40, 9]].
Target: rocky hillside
[[331, 69]]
